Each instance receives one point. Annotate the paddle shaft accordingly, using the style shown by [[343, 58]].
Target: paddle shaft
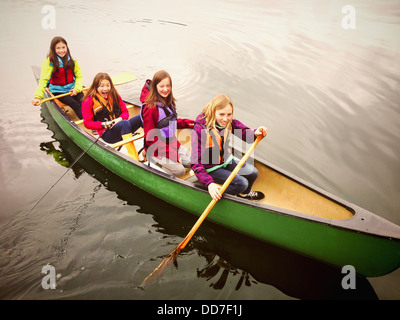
[[173, 255], [60, 96], [222, 190]]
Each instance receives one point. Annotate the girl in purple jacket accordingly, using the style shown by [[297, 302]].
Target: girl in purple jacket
[[211, 160]]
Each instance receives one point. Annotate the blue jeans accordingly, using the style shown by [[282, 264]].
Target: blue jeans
[[123, 127], [241, 183]]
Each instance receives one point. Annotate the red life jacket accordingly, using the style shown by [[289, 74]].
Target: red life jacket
[[62, 77]]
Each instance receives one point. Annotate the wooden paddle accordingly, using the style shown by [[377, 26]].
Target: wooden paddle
[[174, 254], [59, 96], [116, 79]]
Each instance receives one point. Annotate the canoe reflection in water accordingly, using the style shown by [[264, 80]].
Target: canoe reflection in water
[[247, 262], [58, 156]]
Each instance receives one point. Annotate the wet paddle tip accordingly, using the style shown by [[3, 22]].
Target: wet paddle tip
[[141, 287], [164, 264]]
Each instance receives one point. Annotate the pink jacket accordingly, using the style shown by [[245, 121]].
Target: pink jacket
[[88, 116]]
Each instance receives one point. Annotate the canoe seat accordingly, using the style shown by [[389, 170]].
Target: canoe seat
[[118, 144], [129, 145]]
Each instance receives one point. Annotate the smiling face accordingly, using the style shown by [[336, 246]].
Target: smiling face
[[164, 87], [61, 49], [224, 116], [104, 88]]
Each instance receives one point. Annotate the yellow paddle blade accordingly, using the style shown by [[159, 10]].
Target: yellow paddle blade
[[123, 78]]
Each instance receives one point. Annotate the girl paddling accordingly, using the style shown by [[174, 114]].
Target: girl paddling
[[61, 74], [211, 161]]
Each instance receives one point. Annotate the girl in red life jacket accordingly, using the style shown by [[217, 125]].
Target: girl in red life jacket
[[160, 122], [103, 107], [61, 74], [211, 161]]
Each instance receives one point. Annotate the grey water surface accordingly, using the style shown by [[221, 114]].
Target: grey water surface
[[323, 77]]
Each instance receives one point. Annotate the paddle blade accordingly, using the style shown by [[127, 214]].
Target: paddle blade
[[123, 78], [173, 255], [163, 265]]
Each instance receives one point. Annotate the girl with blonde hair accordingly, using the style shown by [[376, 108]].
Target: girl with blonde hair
[[211, 160]]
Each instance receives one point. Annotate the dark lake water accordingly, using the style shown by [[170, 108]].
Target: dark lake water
[[329, 95]]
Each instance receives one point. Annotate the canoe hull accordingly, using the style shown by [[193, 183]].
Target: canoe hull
[[334, 242]]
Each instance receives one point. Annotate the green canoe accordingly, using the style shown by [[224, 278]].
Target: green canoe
[[294, 214]]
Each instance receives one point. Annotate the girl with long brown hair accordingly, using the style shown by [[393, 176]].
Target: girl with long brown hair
[[104, 108], [160, 122], [61, 74]]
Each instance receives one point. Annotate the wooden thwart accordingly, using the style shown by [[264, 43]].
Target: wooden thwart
[[123, 142]]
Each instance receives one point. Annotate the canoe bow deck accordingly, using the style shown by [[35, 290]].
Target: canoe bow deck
[[295, 214]]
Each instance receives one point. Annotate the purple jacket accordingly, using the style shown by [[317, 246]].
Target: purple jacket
[[199, 135]]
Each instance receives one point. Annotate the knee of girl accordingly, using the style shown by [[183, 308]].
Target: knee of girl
[[244, 186], [125, 127], [135, 123], [174, 171], [255, 172], [180, 171], [241, 183]]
